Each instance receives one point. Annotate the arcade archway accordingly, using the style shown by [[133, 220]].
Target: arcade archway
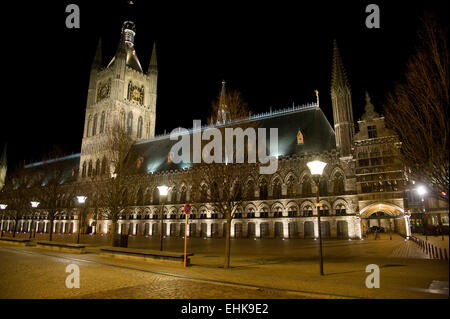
[[384, 217]]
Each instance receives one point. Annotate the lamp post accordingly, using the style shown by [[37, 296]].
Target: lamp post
[[421, 190], [316, 168], [33, 205], [163, 191], [81, 200], [2, 207]]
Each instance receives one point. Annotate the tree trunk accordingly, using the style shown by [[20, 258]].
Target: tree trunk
[[15, 228], [113, 232], [50, 230], [227, 244]]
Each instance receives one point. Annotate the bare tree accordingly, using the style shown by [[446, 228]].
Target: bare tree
[[17, 196], [51, 184], [116, 186], [224, 180], [417, 109]]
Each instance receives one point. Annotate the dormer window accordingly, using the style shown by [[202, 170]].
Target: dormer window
[[372, 131]]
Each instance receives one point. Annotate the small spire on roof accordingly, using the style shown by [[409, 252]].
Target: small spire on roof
[[153, 66]]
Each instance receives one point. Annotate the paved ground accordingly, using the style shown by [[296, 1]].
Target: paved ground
[[271, 268]]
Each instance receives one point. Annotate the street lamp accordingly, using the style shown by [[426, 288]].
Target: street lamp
[[163, 191], [316, 168], [81, 200], [33, 205], [421, 190], [2, 207]]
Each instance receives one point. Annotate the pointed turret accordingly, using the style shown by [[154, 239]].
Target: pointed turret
[[369, 109], [153, 66], [223, 108], [341, 99], [97, 63], [95, 68]]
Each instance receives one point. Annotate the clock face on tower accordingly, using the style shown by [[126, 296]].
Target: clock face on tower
[[136, 94], [103, 90]]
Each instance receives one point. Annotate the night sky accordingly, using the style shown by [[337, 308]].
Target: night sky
[[275, 53]]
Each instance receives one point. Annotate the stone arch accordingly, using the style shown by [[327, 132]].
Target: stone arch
[[250, 207], [277, 206], [340, 201]]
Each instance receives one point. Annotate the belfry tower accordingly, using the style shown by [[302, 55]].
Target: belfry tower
[[341, 98], [119, 93]]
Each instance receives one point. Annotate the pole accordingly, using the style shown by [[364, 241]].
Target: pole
[[161, 231], [79, 226], [320, 229], [185, 239]]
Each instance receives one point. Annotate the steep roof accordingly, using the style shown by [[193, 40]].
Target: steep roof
[[317, 132]]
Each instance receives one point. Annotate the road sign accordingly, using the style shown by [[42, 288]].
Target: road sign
[[187, 208]]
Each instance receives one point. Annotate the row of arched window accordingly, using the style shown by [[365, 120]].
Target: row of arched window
[[92, 125], [129, 124], [100, 168], [179, 195]]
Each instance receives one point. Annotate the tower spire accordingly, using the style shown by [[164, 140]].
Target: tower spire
[[339, 77], [153, 66], [341, 98]]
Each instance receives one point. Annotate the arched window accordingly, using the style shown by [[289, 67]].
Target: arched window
[[94, 126], [139, 127], [147, 197], [340, 210], [122, 118], [306, 187], [263, 190], [307, 211], [250, 190], [324, 210], [104, 164], [141, 101], [129, 90], [155, 196], [338, 184], [203, 194], [291, 187], [183, 195], [173, 195], [139, 198], [276, 188], [323, 187], [130, 123], [83, 171], [102, 122], [97, 167], [88, 128], [90, 169]]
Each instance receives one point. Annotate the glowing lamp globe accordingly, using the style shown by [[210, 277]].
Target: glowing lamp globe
[[163, 190], [34, 204], [316, 167], [3, 206], [81, 199], [421, 190]]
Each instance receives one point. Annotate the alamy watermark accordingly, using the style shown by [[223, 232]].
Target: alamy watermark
[[212, 152], [73, 279]]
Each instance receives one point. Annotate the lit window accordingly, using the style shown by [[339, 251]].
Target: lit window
[[300, 139]]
